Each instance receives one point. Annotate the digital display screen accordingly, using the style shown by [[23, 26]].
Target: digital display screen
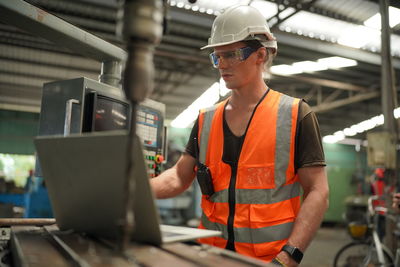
[[110, 114]]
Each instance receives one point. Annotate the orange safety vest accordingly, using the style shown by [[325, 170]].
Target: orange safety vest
[[378, 189], [266, 191]]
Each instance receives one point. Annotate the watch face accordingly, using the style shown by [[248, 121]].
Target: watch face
[[297, 255], [294, 252]]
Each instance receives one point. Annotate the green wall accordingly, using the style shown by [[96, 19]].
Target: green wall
[[346, 170], [17, 130]]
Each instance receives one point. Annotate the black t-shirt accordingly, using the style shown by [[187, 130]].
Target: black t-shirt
[[308, 147]]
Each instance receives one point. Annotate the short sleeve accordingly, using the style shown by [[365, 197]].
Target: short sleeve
[[309, 149], [190, 146]]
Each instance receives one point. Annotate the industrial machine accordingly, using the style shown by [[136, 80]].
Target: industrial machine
[[83, 105]]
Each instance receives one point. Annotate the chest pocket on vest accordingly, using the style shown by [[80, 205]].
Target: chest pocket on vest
[[256, 177]]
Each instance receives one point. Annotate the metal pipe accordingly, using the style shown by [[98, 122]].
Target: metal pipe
[[389, 96], [142, 30], [111, 73], [23, 221], [43, 24]]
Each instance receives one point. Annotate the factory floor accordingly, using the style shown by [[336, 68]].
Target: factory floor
[[324, 247]]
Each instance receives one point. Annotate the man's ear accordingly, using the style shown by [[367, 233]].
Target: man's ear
[[262, 55]]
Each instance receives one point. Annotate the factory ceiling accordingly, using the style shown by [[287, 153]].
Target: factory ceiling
[[341, 97]]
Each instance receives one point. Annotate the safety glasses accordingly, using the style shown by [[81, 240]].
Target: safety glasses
[[231, 57]]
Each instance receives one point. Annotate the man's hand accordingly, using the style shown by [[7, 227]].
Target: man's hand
[[286, 259]]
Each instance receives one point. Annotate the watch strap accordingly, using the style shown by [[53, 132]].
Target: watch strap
[[294, 253]]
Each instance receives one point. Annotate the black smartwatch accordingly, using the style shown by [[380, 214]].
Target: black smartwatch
[[294, 253]]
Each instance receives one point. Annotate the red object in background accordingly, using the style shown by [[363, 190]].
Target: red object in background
[[380, 173]]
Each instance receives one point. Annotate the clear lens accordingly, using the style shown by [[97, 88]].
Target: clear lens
[[214, 60], [231, 57]]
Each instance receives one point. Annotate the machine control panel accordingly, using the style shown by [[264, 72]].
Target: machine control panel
[[150, 129]]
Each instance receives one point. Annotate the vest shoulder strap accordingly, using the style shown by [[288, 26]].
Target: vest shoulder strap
[[208, 114]]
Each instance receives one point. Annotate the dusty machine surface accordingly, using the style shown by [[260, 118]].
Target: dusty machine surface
[[45, 245]]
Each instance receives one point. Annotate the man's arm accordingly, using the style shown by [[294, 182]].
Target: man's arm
[[175, 180], [316, 191]]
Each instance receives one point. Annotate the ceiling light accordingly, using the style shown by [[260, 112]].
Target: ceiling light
[[358, 36], [189, 115], [359, 127], [285, 70], [287, 12], [375, 20], [330, 139], [349, 132], [309, 66], [266, 8], [337, 62], [396, 113], [210, 11]]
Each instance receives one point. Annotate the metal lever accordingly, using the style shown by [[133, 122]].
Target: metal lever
[[68, 115]]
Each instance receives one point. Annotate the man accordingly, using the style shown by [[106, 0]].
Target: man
[[256, 149]]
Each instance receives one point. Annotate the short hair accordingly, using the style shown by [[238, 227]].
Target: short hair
[[256, 44]]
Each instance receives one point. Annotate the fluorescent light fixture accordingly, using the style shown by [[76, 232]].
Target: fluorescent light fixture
[[396, 113], [375, 20], [349, 131], [266, 8], [358, 36], [286, 12], [285, 70], [330, 139], [337, 62], [310, 66], [189, 115], [359, 128]]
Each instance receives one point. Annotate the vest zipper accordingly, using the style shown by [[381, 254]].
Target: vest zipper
[[232, 184], [232, 202]]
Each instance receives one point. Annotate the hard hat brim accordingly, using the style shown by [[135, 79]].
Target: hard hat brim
[[271, 44]]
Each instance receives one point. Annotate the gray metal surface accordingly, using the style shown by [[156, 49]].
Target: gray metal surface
[[34, 246], [38, 21]]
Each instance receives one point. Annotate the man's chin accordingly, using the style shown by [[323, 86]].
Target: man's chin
[[230, 85]]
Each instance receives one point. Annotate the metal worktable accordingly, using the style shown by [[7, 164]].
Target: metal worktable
[[45, 245]]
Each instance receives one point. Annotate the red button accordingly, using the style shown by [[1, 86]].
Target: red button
[[159, 158]]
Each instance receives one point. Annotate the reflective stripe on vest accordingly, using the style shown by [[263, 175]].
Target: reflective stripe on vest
[[259, 196], [276, 189], [251, 235], [208, 115]]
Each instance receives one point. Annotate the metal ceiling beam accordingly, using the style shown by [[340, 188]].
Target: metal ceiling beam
[[343, 102], [327, 83], [41, 23], [298, 6], [330, 48], [184, 57]]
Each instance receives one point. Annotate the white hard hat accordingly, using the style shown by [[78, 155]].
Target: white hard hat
[[240, 23]]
